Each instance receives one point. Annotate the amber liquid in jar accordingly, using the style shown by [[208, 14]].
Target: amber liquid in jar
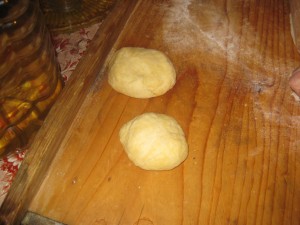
[[30, 79]]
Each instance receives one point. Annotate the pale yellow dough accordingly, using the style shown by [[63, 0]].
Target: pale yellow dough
[[154, 141], [141, 72]]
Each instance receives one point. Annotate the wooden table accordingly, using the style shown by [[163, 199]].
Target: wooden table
[[233, 60]]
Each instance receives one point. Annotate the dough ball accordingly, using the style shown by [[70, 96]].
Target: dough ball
[[154, 141], [141, 72]]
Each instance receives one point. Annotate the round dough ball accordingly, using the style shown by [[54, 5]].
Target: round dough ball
[[141, 72], [154, 141]]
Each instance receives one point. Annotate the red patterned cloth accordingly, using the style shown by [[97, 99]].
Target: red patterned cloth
[[70, 48]]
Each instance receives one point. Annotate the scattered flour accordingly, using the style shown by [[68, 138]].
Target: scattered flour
[[188, 24]]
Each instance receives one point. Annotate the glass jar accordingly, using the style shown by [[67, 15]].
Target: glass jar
[[70, 15], [30, 79]]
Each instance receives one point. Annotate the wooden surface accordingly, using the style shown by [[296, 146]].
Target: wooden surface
[[233, 59], [295, 21]]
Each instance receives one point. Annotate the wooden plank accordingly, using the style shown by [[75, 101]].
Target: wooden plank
[[59, 121], [295, 22], [233, 59]]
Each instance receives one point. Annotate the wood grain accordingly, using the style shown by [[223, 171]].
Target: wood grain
[[233, 59]]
